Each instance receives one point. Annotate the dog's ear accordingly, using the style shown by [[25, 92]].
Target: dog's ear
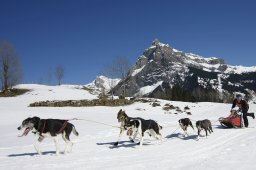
[[25, 120], [35, 119], [136, 123]]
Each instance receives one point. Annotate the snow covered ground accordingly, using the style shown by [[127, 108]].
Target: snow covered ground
[[224, 149]]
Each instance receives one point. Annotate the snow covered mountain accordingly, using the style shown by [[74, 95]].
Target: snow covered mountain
[[102, 83], [161, 68]]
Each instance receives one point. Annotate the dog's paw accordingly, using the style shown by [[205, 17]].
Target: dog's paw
[[132, 140], [163, 139], [115, 144]]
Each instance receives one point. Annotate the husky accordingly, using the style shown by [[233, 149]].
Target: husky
[[49, 128], [123, 118], [140, 126], [184, 123], [204, 125]]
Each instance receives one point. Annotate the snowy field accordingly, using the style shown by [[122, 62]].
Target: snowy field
[[224, 149]]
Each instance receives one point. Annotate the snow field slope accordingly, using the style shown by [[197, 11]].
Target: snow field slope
[[223, 149]]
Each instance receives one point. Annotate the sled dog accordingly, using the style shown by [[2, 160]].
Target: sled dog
[[49, 128], [123, 118], [204, 125], [140, 126], [184, 123]]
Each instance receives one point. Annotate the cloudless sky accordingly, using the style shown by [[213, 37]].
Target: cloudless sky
[[85, 35]]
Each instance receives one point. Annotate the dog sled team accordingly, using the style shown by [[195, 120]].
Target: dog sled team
[[134, 126], [139, 126]]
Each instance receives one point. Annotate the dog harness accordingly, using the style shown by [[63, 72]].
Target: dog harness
[[63, 127], [150, 124], [43, 128], [60, 131]]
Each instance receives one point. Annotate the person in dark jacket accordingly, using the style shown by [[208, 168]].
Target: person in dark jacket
[[243, 107]]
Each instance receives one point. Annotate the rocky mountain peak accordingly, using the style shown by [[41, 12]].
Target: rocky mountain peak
[[163, 64], [157, 44], [160, 52]]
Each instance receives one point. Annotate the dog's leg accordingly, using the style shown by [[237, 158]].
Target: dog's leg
[[119, 137], [211, 128], [159, 137], [198, 133], [56, 145], [206, 132], [36, 145], [71, 146], [134, 136], [68, 143], [182, 127], [185, 131], [153, 134], [141, 139]]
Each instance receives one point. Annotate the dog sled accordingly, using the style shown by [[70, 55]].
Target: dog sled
[[234, 120]]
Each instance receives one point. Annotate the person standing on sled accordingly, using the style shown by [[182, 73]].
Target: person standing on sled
[[243, 107]]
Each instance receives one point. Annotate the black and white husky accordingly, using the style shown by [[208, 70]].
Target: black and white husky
[[184, 123], [123, 118], [140, 126], [49, 128]]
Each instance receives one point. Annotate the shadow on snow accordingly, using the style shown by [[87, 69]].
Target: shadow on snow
[[181, 136], [123, 144], [31, 154]]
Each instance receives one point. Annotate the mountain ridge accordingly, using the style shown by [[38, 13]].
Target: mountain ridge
[[161, 63]]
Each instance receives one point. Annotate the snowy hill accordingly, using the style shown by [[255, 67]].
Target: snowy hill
[[161, 67], [102, 83], [223, 149]]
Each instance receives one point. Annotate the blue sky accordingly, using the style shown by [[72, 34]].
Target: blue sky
[[85, 35]]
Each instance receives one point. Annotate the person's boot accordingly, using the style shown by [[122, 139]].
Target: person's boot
[[253, 116], [246, 123]]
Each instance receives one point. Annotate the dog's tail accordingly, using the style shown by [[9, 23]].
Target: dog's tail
[[160, 127], [190, 123], [75, 131]]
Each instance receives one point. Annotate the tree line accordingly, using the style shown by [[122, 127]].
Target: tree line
[[199, 94]]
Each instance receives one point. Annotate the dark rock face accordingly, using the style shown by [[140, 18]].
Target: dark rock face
[[161, 67]]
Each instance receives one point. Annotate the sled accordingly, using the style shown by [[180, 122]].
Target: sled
[[234, 120]]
